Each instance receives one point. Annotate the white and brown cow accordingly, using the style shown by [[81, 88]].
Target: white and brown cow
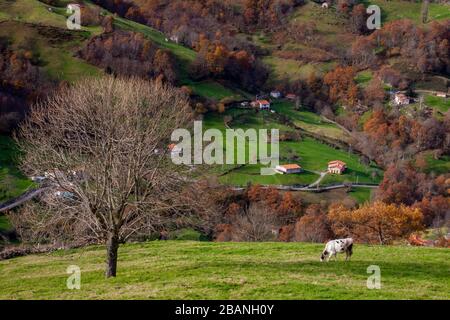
[[333, 247]]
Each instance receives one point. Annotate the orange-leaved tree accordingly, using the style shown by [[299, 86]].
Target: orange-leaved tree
[[376, 222]]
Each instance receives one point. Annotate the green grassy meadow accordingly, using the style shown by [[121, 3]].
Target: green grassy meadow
[[12, 182], [438, 103], [208, 270], [310, 153], [310, 121], [397, 9]]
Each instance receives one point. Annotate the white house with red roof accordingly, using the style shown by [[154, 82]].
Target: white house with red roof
[[401, 99], [261, 104], [336, 166], [174, 149], [288, 168]]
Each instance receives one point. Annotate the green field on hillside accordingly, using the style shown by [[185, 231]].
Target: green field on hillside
[[361, 195], [310, 153], [212, 90], [437, 166], [438, 103], [208, 270], [310, 121], [12, 182], [4, 223], [54, 50], [398, 9]]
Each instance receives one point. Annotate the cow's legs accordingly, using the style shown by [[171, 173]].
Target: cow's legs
[[349, 252]]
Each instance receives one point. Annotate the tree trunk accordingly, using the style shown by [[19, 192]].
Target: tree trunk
[[112, 246]]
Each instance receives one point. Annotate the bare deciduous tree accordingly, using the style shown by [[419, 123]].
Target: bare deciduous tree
[[257, 223], [103, 145]]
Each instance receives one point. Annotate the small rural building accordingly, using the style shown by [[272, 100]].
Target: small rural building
[[288, 168], [441, 94], [174, 38], [261, 104], [401, 99], [174, 149], [336, 166], [275, 94], [291, 96]]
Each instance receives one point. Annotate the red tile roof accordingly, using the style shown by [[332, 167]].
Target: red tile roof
[[290, 166]]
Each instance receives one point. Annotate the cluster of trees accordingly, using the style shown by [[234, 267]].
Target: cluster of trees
[[130, 54], [188, 19], [264, 214], [238, 66], [268, 13], [257, 215], [21, 82], [341, 85], [389, 137], [427, 49], [375, 223], [405, 184]]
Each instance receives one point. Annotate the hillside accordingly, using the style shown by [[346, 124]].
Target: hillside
[[204, 270]]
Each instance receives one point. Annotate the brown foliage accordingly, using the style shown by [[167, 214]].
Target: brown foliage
[[130, 54], [375, 223], [313, 226]]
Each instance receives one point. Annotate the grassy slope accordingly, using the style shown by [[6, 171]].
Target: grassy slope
[[310, 121], [12, 181], [361, 195], [205, 270], [57, 57], [438, 103], [440, 166], [398, 9], [330, 29], [4, 224], [313, 155], [185, 56]]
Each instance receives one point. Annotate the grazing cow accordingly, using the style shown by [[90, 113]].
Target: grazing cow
[[333, 247]]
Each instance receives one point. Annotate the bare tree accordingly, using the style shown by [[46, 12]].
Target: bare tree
[[257, 223], [102, 143]]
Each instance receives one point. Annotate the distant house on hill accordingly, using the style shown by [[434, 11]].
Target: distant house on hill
[[174, 149], [275, 94], [336, 166], [174, 38], [441, 94], [291, 96], [288, 168], [261, 104], [401, 99]]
